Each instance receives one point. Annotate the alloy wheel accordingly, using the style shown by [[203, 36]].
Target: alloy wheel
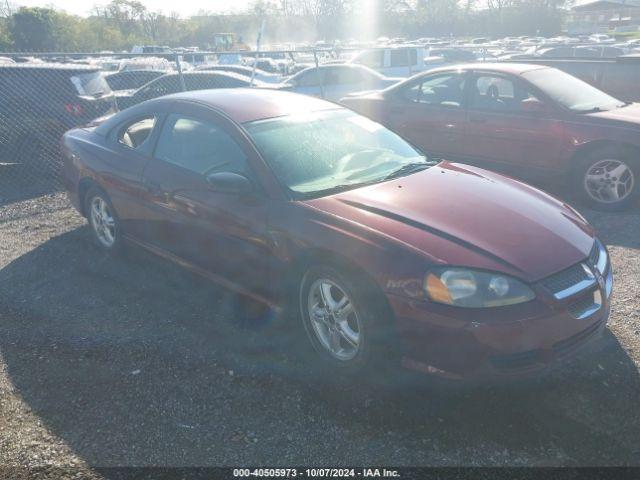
[[334, 319], [103, 222], [609, 181]]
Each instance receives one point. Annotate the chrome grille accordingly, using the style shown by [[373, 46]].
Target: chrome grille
[[594, 256], [599, 257], [586, 306], [569, 281]]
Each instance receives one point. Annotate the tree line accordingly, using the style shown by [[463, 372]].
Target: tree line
[[123, 23]]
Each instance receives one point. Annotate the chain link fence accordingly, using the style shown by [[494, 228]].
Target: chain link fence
[[42, 95]]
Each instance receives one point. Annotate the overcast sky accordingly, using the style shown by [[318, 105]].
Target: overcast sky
[[183, 7]]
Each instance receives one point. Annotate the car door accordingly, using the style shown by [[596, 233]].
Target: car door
[[509, 127], [430, 113], [129, 150], [222, 233]]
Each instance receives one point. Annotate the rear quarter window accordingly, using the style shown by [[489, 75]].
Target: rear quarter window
[[90, 84]]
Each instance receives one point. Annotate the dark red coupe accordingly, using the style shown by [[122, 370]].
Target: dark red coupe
[[289, 199], [530, 121]]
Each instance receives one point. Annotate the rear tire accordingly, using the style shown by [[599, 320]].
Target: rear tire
[[103, 221], [608, 179]]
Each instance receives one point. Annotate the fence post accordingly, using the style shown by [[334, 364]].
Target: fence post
[[183, 87], [315, 57], [255, 57]]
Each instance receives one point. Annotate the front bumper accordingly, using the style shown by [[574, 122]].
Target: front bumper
[[513, 341]]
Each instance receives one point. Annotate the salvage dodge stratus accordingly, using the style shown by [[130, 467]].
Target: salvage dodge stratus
[[288, 199]]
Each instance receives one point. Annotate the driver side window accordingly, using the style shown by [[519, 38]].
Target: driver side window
[[135, 134], [199, 146], [497, 93], [443, 90]]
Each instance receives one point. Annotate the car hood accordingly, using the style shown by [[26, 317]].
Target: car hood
[[462, 215], [388, 81], [363, 93], [629, 115]]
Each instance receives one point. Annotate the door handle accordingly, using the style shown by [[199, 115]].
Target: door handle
[[152, 187], [156, 191]]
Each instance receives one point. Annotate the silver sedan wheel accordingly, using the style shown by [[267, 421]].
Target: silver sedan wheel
[[334, 319], [609, 181], [102, 221]]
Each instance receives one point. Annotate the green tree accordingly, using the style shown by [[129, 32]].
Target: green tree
[[5, 35], [33, 29]]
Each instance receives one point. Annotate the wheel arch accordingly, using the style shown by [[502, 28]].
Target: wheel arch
[[84, 185], [595, 145], [323, 257]]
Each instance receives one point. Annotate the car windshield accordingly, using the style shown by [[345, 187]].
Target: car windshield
[[571, 92], [324, 152]]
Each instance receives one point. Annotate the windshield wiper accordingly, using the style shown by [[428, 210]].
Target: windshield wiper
[[406, 169], [337, 189], [409, 168], [591, 110]]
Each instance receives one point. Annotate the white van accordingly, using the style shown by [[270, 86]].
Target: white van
[[396, 61]]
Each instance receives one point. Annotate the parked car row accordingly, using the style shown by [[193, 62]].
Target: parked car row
[[333, 82], [404, 61], [193, 80], [527, 120]]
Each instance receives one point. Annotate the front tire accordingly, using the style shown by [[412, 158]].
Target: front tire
[[342, 319], [103, 221], [607, 179]]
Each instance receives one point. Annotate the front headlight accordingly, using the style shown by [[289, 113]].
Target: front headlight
[[464, 287]]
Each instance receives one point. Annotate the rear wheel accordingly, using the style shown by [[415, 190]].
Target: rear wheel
[[607, 179], [103, 220]]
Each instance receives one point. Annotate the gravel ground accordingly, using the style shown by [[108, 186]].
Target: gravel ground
[[132, 361]]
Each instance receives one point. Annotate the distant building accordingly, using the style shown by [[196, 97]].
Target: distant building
[[601, 16]]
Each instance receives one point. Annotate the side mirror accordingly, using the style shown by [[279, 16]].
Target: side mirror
[[533, 105], [230, 183]]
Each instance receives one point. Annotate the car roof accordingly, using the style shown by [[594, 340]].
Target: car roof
[[135, 72], [250, 104], [225, 67], [207, 73], [71, 67], [341, 65], [502, 67], [337, 66]]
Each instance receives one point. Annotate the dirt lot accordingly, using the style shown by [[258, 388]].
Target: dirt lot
[[109, 362]]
